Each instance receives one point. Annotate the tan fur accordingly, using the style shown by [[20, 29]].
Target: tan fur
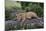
[[25, 15]]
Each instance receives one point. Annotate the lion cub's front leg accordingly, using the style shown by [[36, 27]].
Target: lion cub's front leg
[[23, 19]]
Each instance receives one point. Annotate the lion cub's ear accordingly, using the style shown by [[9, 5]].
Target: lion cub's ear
[[16, 14]]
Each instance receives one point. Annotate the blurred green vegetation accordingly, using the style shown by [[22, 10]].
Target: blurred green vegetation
[[33, 6], [20, 6], [19, 27]]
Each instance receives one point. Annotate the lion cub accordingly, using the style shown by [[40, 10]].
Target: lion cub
[[26, 15]]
